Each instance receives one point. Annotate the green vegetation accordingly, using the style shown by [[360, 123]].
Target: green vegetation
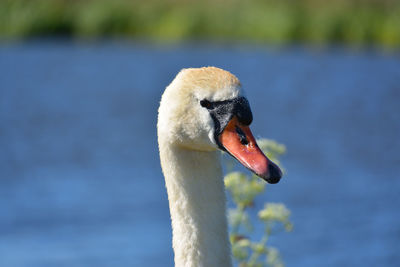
[[318, 22], [244, 189]]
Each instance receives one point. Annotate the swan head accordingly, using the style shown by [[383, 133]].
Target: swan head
[[205, 109]]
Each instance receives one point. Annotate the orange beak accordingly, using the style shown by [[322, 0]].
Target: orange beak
[[238, 140]]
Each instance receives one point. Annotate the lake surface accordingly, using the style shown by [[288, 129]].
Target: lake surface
[[80, 181]]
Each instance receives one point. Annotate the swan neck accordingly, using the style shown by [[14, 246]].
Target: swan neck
[[197, 205]]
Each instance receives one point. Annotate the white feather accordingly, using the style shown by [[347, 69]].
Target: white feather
[[191, 166]]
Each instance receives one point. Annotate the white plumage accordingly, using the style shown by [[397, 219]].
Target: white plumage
[[191, 165]]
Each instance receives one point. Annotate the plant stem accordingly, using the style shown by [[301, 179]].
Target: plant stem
[[254, 256]]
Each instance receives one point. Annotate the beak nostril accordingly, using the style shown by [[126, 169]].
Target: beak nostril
[[242, 136]]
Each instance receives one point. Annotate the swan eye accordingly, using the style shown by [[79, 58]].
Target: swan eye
[[206, 104]]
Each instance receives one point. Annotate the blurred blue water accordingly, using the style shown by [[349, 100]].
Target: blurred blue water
[[80, 181]]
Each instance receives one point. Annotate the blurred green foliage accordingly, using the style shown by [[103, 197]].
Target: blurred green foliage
[[318, 22], [274, 216]]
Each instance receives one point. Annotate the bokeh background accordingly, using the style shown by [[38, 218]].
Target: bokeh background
[[80, 84]]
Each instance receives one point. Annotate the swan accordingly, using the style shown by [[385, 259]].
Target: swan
[[203, 111]]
